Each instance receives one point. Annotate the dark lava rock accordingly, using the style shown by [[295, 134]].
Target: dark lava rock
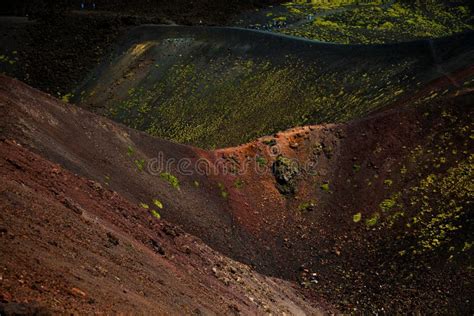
[[112, 239], [171, 231], [285, 171], [70, 204], [157, 247]]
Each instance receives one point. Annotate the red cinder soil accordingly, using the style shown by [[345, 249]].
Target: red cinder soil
[[311, 234], [354, 168], [110, 153], [69, 245]]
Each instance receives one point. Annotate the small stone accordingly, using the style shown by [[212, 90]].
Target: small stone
[[102, 270], [226, 281], [96, 186], [112, 239], [53, 243], [15, 164], [5, 297], [170, 231], [70, 204], [234, 309], [157, 247], [77, 292]]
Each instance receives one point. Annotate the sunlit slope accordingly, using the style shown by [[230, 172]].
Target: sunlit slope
[[215, 87]]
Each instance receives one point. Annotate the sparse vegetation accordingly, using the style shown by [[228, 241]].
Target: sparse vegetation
[[357, 217], [130, 151], [261, 161], [372, 221], [4, 59], [443, 202], [374, 24], [307, 206], [155, 214], [158, 203], [387, 204], [434, 213], [223, 190], [171, 179], [275, 96], [238, 183], [325, 187], [67, 97], [356, 168], [140, 164], [107, 180]]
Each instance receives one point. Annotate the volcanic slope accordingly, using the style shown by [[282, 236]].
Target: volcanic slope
[[70, 245], [217, 87], [376, 215]]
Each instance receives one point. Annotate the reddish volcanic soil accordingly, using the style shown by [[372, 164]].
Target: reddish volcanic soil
[[69, 245], [56, 223]]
